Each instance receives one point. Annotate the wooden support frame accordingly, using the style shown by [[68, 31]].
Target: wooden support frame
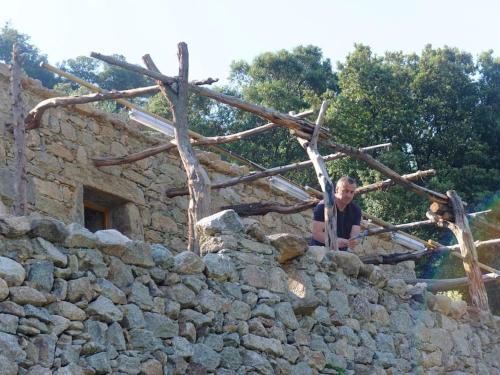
[[198, 181], [324, 180]]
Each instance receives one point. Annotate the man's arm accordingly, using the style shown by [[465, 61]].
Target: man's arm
[[318, 234], [354, 232]]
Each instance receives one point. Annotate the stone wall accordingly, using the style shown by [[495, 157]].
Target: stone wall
[[74, 302], [60, 172]]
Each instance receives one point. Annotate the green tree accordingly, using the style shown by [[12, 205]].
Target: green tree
[[32, 58]]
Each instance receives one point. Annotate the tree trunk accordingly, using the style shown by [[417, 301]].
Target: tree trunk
[[20, 203], [462, 232], [198, 181]]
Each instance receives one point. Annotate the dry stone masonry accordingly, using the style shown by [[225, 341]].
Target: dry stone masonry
[[76, 302]]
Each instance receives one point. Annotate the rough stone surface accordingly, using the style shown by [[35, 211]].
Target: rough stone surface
[[289, 246], [11, 271]]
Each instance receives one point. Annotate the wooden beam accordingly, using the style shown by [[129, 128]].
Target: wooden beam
[[174, 192], [388, 183], [324, 180], [205, 141], [301, 127], [230, 154], [436, 285], [198, 181], [34, 116], [20, 183], [262, 208]]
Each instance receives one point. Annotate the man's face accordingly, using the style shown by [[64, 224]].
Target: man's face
[[344, 192]]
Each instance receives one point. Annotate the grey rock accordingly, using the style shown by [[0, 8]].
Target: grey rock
[[115, 337], [46, 345], [110, 290], [92, 260], [162, 256], [188, 263], [266, 345], [209, 301], [206, 356], [301, 368], [401, 321], [240, 310], [284, 312], [349, 262], [224, 222], [49, 229], [138, 253], [11, 271], [254, 360], [67, 310], [278, 280], [80, 289], [104, 309], [10, 348], [100, 363], [183, 348], [97, 331], [14, 226], [219, 267], [71, 369], [60, 289], [112, 242], [198, 319], [4, 289], [41, 314], [41, 275], [360, 307], [139, 294], [230, 358], [8, 367], [39, 370], [288, 246], [142, 339], [24, 295], [339, 302], [79, 236], [9, 307], [129, 365], [47, 250], [214, 341], [59, 324], [263, 310], [161, 326], [119, 273], [133, 317], [8, 323], [182, 294]]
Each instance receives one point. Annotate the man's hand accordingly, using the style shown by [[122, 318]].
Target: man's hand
[[352, 242]]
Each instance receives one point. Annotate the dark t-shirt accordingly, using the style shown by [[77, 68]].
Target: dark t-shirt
[[345, 219]]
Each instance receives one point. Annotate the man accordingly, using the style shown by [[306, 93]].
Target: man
[[348, 216]]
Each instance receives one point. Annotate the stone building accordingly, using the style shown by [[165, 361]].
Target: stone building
[[64, 184]]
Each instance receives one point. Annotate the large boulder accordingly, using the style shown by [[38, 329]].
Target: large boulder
[[14, 226], [289, 246], [349, 262], [11, 271], [226, 221]]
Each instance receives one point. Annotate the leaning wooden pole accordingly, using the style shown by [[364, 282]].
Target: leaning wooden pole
[[198, 181], [462, 232], [20, 203], [324, 180]]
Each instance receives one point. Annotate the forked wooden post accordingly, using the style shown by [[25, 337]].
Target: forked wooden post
[[20, 203], [198, 181], [462, 232], [325, 182]]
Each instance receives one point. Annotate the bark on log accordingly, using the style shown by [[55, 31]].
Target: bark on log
[[262, 208], [462, 232], [34, 116], [388, 183], [436, 285], [324, 180], [302, 127], [198, 181], [203, 141], [20, 183], [174, 192]]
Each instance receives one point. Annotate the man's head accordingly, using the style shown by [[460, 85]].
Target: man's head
[[344, 190]]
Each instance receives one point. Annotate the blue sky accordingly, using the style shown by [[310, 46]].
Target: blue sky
[[218, 32]]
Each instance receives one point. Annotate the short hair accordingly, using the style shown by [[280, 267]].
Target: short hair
[[346, 179]]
